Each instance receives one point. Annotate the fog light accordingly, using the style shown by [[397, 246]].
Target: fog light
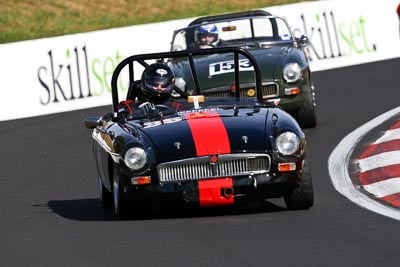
[[292, 91], [285, 167], [141, 180]]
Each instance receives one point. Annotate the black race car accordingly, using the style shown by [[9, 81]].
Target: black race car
[[198, 151], [398, 12], [286, 76]]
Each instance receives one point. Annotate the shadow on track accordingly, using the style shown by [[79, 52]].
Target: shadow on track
[[91, 210]]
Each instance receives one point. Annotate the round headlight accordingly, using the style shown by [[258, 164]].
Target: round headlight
[[287, 143], [292, 72], [135, 158]]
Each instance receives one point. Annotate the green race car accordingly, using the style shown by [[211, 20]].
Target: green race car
[[286, 76]]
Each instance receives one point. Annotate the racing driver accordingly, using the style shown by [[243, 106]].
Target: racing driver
[[154, 87], [206, 36]]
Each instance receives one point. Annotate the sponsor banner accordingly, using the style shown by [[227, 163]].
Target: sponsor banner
[[72, 72], [343, 32]]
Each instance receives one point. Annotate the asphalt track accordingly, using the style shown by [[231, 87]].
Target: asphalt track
[[50, 215]]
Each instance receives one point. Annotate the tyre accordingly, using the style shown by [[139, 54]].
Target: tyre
[[120, 202], [106, 197], [306, 115], [302, 196]]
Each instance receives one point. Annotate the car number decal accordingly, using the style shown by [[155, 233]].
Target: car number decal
[[229, 66], [158, 123]]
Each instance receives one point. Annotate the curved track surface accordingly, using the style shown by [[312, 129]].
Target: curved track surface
[[50, 215]]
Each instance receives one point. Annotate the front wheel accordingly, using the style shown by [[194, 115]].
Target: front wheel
[[120, 202], [106, 197], [306, 115], [302, 196]]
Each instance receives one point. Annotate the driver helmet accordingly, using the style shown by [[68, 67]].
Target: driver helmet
[[157, 82], [206, 36]]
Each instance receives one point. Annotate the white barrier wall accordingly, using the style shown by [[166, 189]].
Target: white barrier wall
[[72, 72], [344, 33]]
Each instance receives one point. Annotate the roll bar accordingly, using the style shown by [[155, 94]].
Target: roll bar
[[189, 54]]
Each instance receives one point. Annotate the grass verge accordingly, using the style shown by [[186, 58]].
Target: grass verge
[[29, 19]]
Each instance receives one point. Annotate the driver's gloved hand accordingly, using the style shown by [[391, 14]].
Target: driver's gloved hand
[[147, 107]]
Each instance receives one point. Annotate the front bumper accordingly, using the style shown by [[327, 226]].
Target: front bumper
[[212, 192], [292, 103]]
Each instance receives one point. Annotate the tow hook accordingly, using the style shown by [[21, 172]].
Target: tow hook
[[228, 192]]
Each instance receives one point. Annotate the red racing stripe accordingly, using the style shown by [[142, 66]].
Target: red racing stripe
[[210, 192], [210, 138], [209, 133]]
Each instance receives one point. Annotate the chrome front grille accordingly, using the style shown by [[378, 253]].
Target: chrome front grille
[[229, 165], [270, 89]]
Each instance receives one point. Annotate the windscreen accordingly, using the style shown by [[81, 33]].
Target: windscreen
[[234, 32]]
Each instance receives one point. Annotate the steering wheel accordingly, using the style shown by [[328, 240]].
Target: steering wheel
[[162, 107]]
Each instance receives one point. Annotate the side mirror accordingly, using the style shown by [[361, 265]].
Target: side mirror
[[92, 122]]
